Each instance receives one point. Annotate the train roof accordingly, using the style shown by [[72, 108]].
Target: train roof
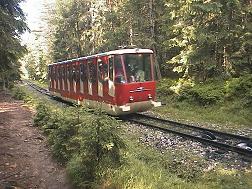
[[114, 52]]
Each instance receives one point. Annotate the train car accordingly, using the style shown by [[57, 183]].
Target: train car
[[120, 81]]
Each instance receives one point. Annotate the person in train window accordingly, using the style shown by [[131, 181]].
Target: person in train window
[[140, 75], [119, 73], [131, 77]]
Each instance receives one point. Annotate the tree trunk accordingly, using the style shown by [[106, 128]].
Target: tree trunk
[[152, 24], [226, 64], [4, 84]]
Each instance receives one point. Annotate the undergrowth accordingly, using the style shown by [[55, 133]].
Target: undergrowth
[[18, 93], [88, 144], [219, 101]]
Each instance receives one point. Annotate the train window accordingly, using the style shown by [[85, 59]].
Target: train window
[[138, 67], [51, 73], [83, 72], [59, 68], [73, 73], [56, 73], [68, 73], [63, 72], [77, 72], [119, 73], [111, 68], [102, 70], [92, 76]]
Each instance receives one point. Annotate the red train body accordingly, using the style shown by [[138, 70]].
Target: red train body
[[120, 81]]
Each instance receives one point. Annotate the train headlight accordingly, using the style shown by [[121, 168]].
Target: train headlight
[[131, 99], [149, 96]]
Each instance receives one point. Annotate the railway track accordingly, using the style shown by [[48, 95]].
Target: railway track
[[38, 88], [226, 141]]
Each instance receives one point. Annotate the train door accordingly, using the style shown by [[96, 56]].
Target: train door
[[74, 83], [111, 85], [71, 80], [50, 77], [58, 77], [63, 77], [68, 78], [82, 76], [102, 63], [54, 78], [77, 67], [92, 77], [100, 77]]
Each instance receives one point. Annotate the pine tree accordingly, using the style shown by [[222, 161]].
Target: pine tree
[[12, 26]]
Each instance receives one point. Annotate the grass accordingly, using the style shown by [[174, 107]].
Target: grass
[[214, 114], [41, 84], [232, 113], [148, 168]]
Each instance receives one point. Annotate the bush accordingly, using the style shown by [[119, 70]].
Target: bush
[[82, 171], [240, 88], [62, 128], [203, 95], [163, 87], [18, 93], [185, 168], [43, 115], [89, 144], [100, 149]]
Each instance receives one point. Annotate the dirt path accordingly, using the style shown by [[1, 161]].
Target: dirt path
[[25, 158]]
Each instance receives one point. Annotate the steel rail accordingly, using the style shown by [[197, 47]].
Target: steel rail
[[220, 133], [217, 144], [38, 88]]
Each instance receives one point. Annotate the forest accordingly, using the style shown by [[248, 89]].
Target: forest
[[203, 47], [204, 52]]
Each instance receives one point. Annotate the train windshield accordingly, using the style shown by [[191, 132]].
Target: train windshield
[[137, 67]]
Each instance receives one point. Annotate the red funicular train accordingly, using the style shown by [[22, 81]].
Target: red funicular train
[[120, 81]]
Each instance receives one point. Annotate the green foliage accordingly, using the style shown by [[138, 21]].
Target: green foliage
[[198, 39], [12, 26], [188, 169], [18, 93], [240, 88], [89, 144], [202, 37], [181, 165], [164, 87], [62, 128], [228, 179], [82, 171], [100, 149], [73, 34], [42, 115], [203, 95], [227, 102]]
